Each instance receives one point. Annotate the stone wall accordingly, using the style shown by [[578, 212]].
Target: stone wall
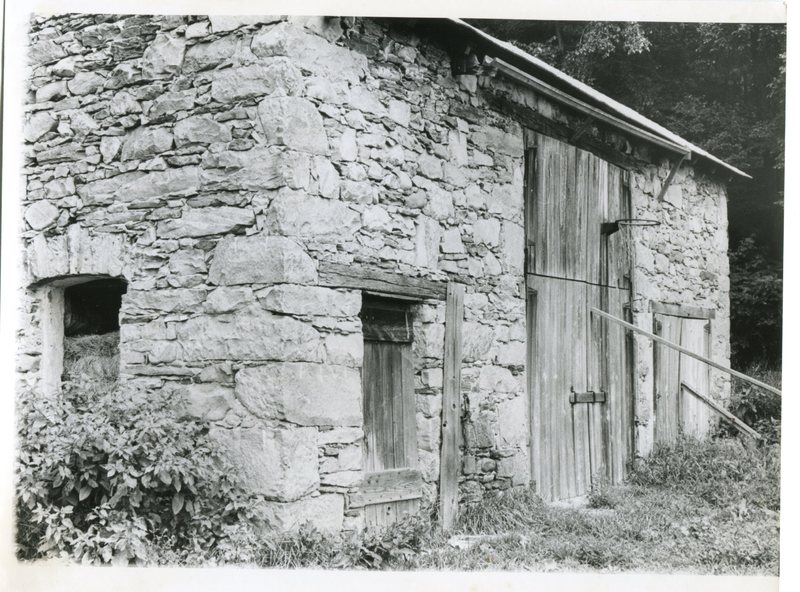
[[213, 162]]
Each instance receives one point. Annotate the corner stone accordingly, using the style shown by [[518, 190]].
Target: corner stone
[[302, 393], [293, 122], [261, 260], [278, 464], [325, 512]]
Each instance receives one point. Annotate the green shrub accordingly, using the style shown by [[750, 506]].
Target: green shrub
[[121, 477]]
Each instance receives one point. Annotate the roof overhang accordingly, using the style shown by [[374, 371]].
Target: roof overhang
[[529, 70]]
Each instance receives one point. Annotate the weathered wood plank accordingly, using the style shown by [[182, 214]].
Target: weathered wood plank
[[529, 193], [391, 485], [735, 421], [534, 385], [451, 406], [337, 275], [682, 310], [408, 408], [370, 368], [695, 415]]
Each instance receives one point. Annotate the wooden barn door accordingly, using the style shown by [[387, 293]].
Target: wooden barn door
[[677, 410], [579, 381], [392, 485]]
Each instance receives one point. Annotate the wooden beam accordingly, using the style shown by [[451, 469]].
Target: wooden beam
[[337, 275], [730, 417], [534, 120], [682, 310], [671, 175], [685, 351], [451, 407], [391, 485], [566, 99]]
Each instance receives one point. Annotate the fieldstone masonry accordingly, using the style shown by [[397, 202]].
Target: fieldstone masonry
[[213, 162]]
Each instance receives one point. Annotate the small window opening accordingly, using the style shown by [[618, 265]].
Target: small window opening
[[91, 335]]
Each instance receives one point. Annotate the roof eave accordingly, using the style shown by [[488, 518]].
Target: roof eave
[[613, 107]]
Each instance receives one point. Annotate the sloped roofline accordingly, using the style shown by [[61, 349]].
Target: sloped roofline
[[587, 92]]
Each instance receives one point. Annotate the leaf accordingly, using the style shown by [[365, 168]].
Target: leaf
[[84, 492], [177, 503], [164, 477]]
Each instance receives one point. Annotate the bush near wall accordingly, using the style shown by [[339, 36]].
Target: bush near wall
[[122, 477]]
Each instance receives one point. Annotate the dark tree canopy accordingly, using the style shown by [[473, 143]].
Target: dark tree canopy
[[721, 86]]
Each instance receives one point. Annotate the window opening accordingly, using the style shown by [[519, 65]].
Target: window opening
[[91, 335]]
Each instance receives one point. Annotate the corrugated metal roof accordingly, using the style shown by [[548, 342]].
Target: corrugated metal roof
[[588, 92]]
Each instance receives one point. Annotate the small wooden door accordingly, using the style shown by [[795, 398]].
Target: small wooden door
[[579, 384], [392, 485], [677, 411]]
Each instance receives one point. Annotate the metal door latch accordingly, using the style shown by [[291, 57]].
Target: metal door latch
[[587, 397]]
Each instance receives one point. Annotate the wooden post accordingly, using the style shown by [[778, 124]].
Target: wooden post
[[727, 415], [451, 407], [687, 352]]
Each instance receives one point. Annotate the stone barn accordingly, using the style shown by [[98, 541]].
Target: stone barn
[[370, 253]]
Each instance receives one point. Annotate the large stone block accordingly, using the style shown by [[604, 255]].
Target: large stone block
[[248, 334], [426, 242], [224, 23], [77, 252], [324, 512], [146, 141], [38, 124], [278, 464], [85, 83], [228, 299], [170, 102], [512, 422], [310, 52], [512, 244], [136, 186], [41, 215], [164, 56], [346, 350], [256, 169], [497, 379], [200, 129], [293, 122], [260, 260], [209, 402], [198, 222], [292, 214], [164, 301], [204, 56], [278, 76], [305, 394], [486, 232], [310, 300]]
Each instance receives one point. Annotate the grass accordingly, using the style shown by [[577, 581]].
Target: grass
[[696, 507], [702, 508]]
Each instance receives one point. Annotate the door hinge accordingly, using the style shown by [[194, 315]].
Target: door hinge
[[587, 397]]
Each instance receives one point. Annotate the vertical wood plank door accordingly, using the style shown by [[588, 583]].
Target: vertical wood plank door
[[571, 266], [389, 413], [677, 411]]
